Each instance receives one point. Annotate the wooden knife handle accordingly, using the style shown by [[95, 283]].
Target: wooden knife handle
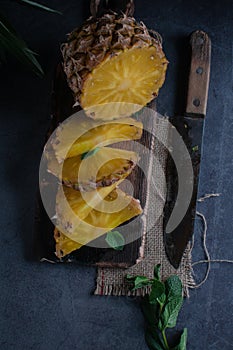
[[199, 74]]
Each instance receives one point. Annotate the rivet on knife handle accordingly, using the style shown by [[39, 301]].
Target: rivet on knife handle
[[199, 74]]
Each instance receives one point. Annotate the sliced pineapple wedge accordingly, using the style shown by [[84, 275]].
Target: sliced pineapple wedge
[[79, 135], [72, 206], [64, 245], [96, 223], [100, 168]]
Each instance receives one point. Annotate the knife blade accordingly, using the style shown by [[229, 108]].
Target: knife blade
[[190, 127]]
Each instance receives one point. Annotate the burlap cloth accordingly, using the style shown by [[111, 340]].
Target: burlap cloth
[[112, 281]]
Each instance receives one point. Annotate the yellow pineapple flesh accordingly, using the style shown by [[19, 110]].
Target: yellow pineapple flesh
[[132, 77], [80, 135], [96, 169], [74, 206], [96, 223]]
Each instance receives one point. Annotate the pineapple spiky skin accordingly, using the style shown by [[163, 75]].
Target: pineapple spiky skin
[[113, 59]]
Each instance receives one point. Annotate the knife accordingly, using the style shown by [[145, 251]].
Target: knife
[[190, 127]]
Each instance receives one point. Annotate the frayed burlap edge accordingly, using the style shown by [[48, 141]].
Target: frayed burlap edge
[[124, 289]]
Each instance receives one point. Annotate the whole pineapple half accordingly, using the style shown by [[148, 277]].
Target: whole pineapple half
[[96, 223], [113, 59]]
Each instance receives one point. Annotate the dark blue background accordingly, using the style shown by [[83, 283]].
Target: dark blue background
[[51, 307]]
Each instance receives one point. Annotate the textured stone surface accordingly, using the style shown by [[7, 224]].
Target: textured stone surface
[[48, 307]]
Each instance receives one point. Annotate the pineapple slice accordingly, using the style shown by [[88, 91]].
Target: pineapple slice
[[101, 168], [123, 84], [64, 245], [70, 201], [79, 135], [96, 223]]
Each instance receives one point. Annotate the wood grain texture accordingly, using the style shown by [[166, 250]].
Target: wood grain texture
[[199, 74]]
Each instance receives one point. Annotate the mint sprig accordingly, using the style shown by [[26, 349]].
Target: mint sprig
[[90, 153], [115, 240], [160, 308]]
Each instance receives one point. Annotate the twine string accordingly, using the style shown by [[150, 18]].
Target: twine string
[[208, 259]]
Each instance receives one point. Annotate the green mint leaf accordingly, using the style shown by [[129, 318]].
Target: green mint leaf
[[162, 300], [36, 4], [195, 148], [160, 325], [157, 290], [170, 312], [151, 313], [153, 341], [183, 341], [115, 240], [141, 282], [90, 153], [130, 278], [157, 272], [173, 287]]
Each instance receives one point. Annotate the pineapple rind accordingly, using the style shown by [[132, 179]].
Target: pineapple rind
[[64, 245]]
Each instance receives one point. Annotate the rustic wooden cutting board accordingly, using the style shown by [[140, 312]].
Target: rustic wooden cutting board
[[62, 101]]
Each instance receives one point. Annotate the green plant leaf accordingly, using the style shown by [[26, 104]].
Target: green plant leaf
[[90, 153], [170, 313], [160, 308], [153, 341], [17, 47], [173, 287], [157, 272], [115, 240], [141, 282], [40, 6], [162, 300], [183, 341], [157, 290], [130, 277], [195, 148], [150, 312]]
